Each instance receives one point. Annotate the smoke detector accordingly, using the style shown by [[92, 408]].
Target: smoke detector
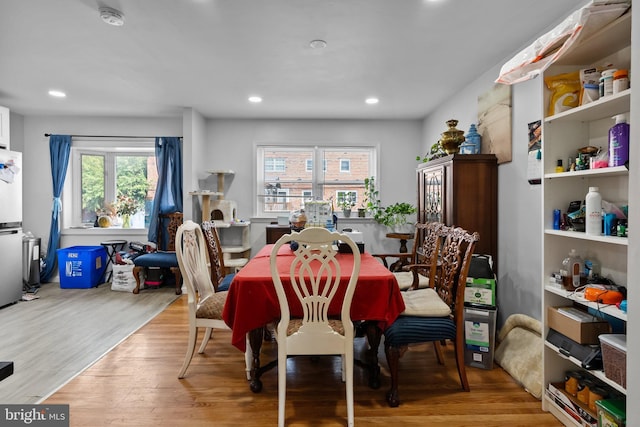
[[112, 16]]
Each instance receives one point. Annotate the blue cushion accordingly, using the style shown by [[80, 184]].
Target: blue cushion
[[408, 330], [226, 282], [157, 259]]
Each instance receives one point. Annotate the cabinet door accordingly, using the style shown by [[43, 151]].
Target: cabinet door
[[431, 194]]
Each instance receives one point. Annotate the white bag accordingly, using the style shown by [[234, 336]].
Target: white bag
[[123, 279]]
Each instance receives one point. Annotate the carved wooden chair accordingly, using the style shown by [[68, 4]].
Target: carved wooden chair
[[219, 277], [416, 267], [165, 256], [436, 313], [313, 281], [205, 304]]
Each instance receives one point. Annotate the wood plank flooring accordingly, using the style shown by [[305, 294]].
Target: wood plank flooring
[[136, 384]]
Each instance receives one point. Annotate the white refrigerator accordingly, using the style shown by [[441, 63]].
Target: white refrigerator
[[10, 226]]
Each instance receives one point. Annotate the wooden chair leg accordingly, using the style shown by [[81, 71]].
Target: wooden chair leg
[[178, 276], [136, 274], [437, 346], [462, 372], [393, 356]]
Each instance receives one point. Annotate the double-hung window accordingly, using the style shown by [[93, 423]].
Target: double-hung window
[[289, 175], [113, 179]]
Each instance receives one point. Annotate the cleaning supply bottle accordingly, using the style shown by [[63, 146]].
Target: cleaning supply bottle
[[593, 212], [619, 141], [572, 269]]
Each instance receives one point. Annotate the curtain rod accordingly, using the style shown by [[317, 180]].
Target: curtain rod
[[108, 136]]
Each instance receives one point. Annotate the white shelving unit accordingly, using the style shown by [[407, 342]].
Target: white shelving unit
[[235, 238], [562, 135]]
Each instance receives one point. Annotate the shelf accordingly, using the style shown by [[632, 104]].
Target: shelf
[[223, 224], [610, 38], [596, 373], [606, 107], [610, 310], [602, 172], [560, 413], [614, 240]]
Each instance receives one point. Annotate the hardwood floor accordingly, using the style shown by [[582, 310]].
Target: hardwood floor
[[136, 384]]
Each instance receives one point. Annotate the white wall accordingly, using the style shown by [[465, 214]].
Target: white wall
[[519, 243], [231, 146]]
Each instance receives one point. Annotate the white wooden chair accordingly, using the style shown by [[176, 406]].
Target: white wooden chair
[[205, 304], [314, 275]]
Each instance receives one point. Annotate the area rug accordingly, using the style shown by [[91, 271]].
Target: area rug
[[55, 337]]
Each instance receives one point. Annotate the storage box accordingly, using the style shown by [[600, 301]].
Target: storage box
[[614, 357], [480, 337], [81, 266], [577, 325], [577, 410], [480, 292], [611, 412]]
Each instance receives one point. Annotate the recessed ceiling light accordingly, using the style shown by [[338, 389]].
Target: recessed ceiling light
[[112, 16], [317, 44], [255, 99], [57, 93], [372, 100]]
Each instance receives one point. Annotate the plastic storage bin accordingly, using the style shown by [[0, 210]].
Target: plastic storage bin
[[81, 266], [611, 413], [480, 336], [614, 357]]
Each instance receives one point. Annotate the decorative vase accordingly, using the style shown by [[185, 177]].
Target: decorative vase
[[104, 221], [346, 213], [452, 138], [126, 221], [362, 212], [473, 141]]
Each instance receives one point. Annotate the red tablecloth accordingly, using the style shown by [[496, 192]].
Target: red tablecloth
[[252, 301]]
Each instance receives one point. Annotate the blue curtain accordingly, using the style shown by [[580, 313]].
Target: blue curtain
[[59, 150], [168, 198]]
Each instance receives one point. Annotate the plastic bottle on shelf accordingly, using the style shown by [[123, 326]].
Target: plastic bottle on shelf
[[572, 271], [619, 141], [593, 212]]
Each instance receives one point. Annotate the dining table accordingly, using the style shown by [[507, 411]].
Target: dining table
[[252, 304]]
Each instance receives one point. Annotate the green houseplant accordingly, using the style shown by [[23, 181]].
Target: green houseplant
[[396, 216]]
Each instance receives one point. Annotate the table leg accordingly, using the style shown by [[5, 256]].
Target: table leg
[[255, 339], [374, 334]]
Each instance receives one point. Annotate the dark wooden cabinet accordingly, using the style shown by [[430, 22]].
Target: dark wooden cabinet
[[274, 232], [462, 190]]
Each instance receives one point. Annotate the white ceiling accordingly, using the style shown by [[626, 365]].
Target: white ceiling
[[213, 54]]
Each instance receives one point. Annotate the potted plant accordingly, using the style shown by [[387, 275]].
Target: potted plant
[[346, 203], [396, 216], [371, 203]]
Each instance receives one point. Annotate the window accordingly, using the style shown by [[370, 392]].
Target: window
[[284, 190], [102, 171]]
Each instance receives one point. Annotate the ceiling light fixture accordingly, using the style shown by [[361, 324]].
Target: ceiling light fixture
[[112, 16], [317, 44], [57, 93], [255, 99], [372, 101]]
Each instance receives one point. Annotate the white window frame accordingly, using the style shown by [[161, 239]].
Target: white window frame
[[110, 148], [348, 163], [317, 184]]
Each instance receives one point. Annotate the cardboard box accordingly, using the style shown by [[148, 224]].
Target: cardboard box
[[480, 292], [577, 325]]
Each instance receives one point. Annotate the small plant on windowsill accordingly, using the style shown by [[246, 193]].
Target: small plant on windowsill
[[371, 202], [346, 203]]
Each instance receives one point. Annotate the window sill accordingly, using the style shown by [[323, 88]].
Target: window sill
[[108, 231]]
